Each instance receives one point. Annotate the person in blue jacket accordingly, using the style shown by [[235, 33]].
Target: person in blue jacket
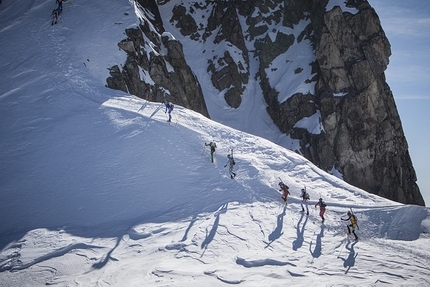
[[169, 109]]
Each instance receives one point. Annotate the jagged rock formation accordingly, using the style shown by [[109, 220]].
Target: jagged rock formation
[[363, 133], [156, 68], [333, 59]]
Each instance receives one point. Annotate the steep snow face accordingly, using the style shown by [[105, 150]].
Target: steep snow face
[[97, 189], [251, 116]]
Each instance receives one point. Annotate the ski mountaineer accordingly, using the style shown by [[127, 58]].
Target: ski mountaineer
[[60, 6], [212, 144], [305, 197], [322, 205], [169, 109], [353, 225], [54, 15], [284, 188], [231, 163]]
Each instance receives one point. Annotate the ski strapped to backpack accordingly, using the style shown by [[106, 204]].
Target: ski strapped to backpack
[[156, 110], [143, 106]]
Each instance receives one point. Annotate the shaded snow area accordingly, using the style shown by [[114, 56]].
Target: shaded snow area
[[98, 190]]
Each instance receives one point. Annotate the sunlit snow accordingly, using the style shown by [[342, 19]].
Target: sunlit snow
[[97, 190]]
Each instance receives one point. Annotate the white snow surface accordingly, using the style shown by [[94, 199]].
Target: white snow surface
[[95, 192]]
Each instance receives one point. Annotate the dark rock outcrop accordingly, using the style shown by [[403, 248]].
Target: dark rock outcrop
[[363, 132], [156, 68]]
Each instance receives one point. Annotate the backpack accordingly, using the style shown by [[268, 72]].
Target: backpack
[[323, 204], [232, 161]]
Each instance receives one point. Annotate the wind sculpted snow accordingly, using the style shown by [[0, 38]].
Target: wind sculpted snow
[[96, 192]]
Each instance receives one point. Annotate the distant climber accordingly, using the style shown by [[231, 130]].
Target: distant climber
[[305, 198], [60, 6], [322, 206], [212, 144], [353, 224], [285, 193], [54, 16], [169, 109], [231, 164]]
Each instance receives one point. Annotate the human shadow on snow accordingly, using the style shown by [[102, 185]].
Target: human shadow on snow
[[210, 236], [350, 260], [277, 232], [300, 233], [318, 245]]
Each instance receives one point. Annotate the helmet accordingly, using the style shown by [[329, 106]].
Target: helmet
[[228, 156], [349, 213], [303, 189], [280, 183], [320, 199]]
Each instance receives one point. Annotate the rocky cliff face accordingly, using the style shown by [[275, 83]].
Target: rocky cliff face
[[156, 68], [363, 133], [332, 58]]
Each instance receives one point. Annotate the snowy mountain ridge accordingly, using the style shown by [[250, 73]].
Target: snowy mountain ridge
[[97, 193], [306, 75]]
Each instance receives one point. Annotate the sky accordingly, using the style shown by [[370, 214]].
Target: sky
[[97, 191], [407, 27]]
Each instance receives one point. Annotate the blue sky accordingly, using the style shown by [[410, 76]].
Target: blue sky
[[407, 26]]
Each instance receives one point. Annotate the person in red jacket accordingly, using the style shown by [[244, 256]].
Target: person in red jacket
[[285, 190], [322, 206]]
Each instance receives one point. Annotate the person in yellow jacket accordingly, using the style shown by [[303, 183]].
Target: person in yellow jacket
[[353, 224]]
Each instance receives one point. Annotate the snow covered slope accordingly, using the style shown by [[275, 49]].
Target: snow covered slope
[[95, 193]]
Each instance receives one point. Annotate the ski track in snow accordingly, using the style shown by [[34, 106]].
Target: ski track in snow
[[96, 193]]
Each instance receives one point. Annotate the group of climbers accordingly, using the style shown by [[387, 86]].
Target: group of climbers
[[304, 195], [230, 159]]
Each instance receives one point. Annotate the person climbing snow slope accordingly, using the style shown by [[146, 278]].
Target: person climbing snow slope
[[322, 206], [212, 144], [231, 164], [352, 225], [305, 198], [169, 109], [285, 193]]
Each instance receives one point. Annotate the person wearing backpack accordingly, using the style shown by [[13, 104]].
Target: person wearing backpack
[[169, 109], [285, 190], [54, 16], [231, 164], [60, 6], [305, 198], [322, 206], [353, 224], [212, 144]]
